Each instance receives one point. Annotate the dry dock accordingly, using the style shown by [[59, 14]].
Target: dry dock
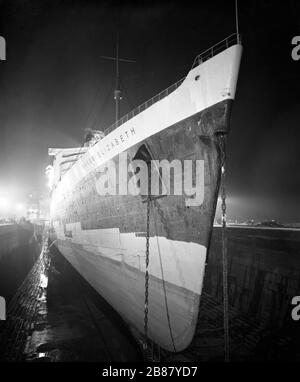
[[57, 316]]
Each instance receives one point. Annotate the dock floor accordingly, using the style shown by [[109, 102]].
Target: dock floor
[[57, 316]]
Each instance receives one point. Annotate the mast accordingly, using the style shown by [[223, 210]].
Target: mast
[[117, 91]]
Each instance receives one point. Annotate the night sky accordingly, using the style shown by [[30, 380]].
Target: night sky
[[55, 83]]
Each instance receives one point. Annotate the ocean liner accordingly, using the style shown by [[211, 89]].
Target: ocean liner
[[108, 238]]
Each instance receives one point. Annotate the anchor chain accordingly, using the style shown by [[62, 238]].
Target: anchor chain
[[147, 269], [222, 143]]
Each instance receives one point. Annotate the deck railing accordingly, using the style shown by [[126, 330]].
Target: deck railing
[[144, 106], [204, 56], [233, 39]]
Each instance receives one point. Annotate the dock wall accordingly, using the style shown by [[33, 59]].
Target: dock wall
[[18, 251], [263, 272]]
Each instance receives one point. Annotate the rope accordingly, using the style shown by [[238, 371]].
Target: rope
[[165, 291], [146, 355]]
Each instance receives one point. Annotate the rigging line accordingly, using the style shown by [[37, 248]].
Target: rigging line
[[236, 18], [104, 104], [80, 152], [164, 287], [75, 161], [92, 115], [86, 121], [92, 105], [127, 96], [98, 113]]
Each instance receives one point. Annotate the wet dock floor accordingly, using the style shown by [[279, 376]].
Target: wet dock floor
[[73, 323]]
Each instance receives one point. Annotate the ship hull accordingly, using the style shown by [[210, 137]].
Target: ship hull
[[108, 245], [104, 237]]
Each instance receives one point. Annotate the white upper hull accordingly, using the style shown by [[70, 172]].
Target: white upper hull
[[217, 82]]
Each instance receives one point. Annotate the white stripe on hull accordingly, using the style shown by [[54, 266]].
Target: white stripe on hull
[[114, 265]]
